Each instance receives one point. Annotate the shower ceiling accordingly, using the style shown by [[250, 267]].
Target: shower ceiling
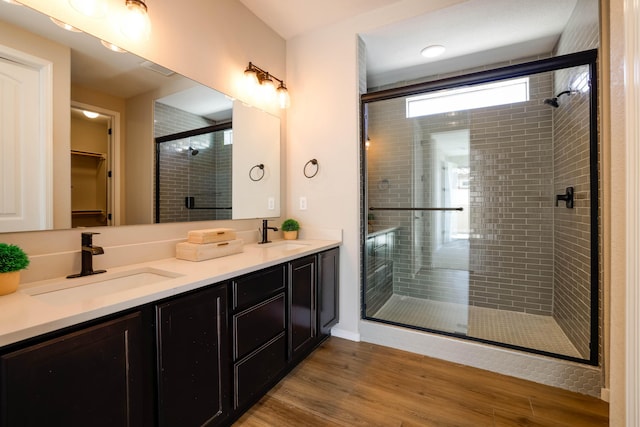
[[475, 32]]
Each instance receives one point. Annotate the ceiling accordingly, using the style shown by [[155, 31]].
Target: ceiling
[[475, 32]]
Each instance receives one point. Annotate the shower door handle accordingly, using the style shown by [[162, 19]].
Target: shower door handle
[[460, 209]]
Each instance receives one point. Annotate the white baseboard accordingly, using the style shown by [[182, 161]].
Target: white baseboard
[[343, 333]]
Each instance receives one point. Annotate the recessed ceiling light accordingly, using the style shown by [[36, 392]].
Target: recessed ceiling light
[[64, 25], [432, 51], [90, 114], [112, 46]]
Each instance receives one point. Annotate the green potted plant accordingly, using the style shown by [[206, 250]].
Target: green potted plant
[[12, 260], [290, 229]]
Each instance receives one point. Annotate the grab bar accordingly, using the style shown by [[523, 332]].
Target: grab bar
[[416, 209]]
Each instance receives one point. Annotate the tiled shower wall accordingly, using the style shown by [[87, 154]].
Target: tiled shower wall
[[572, 293], [205, 176], [511, 267], [511, 200]]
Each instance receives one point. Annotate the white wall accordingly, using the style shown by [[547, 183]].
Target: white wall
[[323, 123]]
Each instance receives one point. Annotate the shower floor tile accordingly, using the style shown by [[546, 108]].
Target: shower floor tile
[[521, 329]]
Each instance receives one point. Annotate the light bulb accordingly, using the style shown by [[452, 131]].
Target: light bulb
[[268, 89], [90, 114], [135, 23], [251, 79], [283, 97], [92, 8]]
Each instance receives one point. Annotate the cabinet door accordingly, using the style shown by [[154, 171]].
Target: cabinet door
[[192, 359], [92, 377], [328, 291], [302, 298]]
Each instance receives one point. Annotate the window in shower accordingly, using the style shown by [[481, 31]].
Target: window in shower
[[469, 230]]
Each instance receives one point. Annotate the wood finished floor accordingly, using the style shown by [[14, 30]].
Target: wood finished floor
[[344, 383]]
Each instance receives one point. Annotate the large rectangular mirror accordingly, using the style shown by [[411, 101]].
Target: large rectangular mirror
[[73, 171]]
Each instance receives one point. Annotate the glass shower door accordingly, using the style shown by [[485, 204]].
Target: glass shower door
[[417, 249], [473, 226]]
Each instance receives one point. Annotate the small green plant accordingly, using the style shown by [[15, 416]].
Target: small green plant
[[290, 225], [12, 258]]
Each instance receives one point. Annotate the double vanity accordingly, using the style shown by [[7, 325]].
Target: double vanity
[[165, 343]]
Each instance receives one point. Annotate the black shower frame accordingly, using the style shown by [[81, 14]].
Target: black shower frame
[[173, 137], [588, 57]]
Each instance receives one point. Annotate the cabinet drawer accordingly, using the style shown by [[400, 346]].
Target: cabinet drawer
[[257, 325], [256, 287], [257, 371]]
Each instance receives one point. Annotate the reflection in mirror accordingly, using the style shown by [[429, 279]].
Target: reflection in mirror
[[123, 88], [91, 160], [256, 147]]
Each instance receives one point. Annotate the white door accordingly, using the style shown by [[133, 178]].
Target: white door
[[24, 172]]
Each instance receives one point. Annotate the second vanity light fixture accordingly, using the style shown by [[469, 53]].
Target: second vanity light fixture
[[259, 83], [133, 21]]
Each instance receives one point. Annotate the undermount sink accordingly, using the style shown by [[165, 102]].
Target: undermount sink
[[99, 285], [286, 246]]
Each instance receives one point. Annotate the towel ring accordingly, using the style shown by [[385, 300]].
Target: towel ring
[[313, 162], [261, 167]]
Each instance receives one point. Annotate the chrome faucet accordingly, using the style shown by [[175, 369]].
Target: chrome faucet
[[87, 253], [265, 231]]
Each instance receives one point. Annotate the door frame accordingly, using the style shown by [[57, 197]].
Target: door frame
[[114, 206], [44, 144]]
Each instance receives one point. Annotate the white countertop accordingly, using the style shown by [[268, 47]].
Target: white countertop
[[24, 316]]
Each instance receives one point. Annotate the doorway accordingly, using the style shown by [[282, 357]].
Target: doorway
[[93, 188]]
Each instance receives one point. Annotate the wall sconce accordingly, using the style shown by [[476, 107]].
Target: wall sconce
[[259, 81], [91, 8], [134, 22]]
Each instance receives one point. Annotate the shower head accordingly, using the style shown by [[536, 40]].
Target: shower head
[[193, 151], [554, 101]]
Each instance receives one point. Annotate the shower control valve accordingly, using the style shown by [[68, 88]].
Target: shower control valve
[[567, 198]]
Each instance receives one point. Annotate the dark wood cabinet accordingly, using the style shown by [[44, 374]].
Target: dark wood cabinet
[[328, 291], [90, 377], [258, 333], [216, 350], [192, 351], [302, 305]]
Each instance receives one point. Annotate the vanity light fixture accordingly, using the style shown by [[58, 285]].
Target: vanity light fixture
[[432, 51], [13, 2], [134, 22], [260, 81], [91, 8]]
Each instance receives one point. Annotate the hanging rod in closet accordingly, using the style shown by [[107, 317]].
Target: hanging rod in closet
[[416, 209]]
